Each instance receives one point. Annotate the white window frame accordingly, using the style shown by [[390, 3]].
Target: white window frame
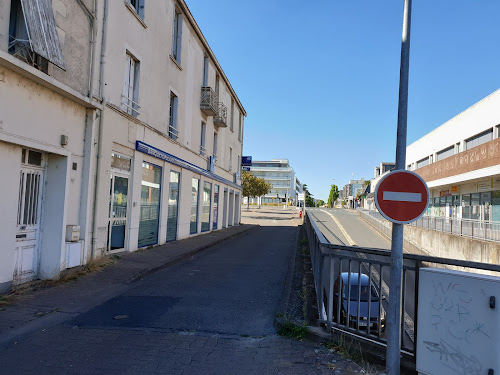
[[138, 7], [177, 36], [203, 150], [230, 159], [173, 130], [130, 94]]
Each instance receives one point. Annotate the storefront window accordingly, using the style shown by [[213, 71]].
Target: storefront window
[[475, 212], [216, 206], [485, 205], [205, 209], [466, 206], [150, 205], [495, 205], [193, 226], [173, 206]]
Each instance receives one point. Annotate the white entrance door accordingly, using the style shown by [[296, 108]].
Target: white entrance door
[[28, 223]]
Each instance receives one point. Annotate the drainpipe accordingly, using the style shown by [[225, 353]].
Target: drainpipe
[[101, 123]]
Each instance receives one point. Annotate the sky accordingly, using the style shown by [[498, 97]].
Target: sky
[[319, 80]]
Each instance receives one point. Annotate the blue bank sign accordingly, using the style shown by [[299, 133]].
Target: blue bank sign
[[162, 155], [246, 161]]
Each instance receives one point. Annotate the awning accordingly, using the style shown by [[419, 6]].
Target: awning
[[42, 31]]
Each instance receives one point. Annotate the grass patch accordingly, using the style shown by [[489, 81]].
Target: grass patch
[[349, 350], [292, 330], [303, 242]]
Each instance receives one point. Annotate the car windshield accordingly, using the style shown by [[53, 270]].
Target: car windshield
[[364, 293]]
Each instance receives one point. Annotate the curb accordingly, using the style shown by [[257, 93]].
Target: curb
[[187, 255]]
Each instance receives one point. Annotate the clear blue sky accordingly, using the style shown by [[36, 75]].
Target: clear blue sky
[[320, 79]]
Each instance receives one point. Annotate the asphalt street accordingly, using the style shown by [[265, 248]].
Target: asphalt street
[[210, 314]]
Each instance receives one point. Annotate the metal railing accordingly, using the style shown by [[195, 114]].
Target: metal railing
[[129, 106], [208, 103], [173, 132], [477, 229], [21, 48], [343, 307], [220, 119]]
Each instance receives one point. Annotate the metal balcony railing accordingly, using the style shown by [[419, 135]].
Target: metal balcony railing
[[208, 102], [203, 150], [129, 106], [220, 119], [173, 132], [21, 48]]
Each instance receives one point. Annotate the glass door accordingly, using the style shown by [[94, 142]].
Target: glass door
[[173, 206], [117, 212]]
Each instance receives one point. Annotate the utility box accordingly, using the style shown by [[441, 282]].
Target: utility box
[[72, 233], [458, 329]]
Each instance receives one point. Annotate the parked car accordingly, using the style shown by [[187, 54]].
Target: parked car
[[368, 296]]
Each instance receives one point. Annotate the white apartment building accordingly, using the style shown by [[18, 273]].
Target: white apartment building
[[284, 185], [118, 130], [460, 161]]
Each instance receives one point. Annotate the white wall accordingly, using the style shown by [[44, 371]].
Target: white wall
[[479, 117]]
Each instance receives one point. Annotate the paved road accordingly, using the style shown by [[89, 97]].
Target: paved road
[[212, 314], [346, 227]]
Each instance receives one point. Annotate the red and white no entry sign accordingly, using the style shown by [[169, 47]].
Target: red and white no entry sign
[[402, 196]]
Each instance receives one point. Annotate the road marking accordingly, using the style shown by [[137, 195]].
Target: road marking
[[401, 196], [408, 321]]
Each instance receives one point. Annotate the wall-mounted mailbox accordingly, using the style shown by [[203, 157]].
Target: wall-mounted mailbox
[[72, 233]]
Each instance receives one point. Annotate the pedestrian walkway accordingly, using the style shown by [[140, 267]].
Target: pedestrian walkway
[[204, 305]]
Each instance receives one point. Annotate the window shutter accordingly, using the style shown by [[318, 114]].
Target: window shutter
[[42, 30], [175, 115]]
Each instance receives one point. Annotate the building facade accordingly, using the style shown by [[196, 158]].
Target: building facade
[[460, 161], [118, 130], [284, 184]]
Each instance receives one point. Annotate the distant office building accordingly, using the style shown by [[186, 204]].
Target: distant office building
[[460, 161], [284, 185], [350, 190]]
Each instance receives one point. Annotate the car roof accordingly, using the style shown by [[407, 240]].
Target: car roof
[[354, 278]]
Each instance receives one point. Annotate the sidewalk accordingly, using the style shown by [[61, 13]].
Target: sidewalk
[[34, 338], [32, 310]]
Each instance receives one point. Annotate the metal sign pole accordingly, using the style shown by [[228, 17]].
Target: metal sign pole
[[396, 278]]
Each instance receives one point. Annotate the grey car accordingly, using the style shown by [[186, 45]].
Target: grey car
[[365, 296]]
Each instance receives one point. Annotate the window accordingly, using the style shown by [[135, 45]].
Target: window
[[205, 71], [447, 152], [138, 6], [238, 166], [215, 146], [239, 127], [177, 37], [479, 139], [232, 115], [130, 95], [193, 225], [230, 159], [172, 121], [202, 144], [33, 35], [423, 162]]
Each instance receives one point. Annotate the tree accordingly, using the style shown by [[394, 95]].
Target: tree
[[310, 201], [320, 203], [253, 186], [334, 194]]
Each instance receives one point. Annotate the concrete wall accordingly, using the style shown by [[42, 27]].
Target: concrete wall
[[74, 31]]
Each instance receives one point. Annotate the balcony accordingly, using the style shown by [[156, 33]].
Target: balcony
[[208, 102], [21, 49], [220, 119]]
